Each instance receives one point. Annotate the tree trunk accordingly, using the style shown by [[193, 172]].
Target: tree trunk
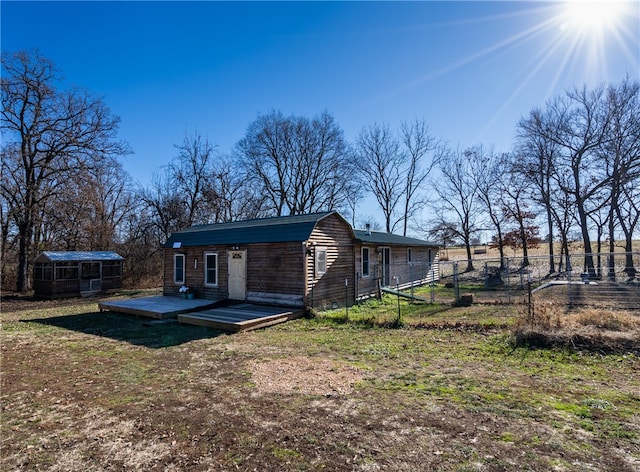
[[470, 267], [586, 239], [24, 243], [552, 262]]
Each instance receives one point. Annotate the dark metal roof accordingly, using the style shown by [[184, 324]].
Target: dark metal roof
[[71, 256], [389, 239], [264, 230]]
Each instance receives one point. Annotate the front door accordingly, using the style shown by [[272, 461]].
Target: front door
[[237, 275]]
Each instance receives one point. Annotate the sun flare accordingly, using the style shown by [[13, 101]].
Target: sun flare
[[588, 17]]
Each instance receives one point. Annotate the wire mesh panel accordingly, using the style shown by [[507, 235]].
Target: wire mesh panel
[[596, 280]]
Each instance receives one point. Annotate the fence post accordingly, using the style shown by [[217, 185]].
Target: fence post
[[508, 281], [433, 286], [569, 281], [346, 299], [399, 320], [486, 275], [531, 312], [411, 277], [456, 285]]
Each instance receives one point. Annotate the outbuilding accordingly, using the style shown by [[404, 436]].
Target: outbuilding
[[311, 261], [59, 274]]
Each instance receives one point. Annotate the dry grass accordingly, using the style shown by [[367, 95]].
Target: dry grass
[[460, 253], [89, 391], [606, 330]]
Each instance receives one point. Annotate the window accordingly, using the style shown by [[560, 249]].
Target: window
[[211, 268], [178, 268], [111, 269], [43, 271], [90, 270], [409, 255], [321, 260], [66, 270], [365, 262]]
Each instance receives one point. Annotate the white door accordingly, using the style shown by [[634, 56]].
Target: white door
[[237, 275]]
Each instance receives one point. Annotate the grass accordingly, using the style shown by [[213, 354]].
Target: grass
[[449, 389]]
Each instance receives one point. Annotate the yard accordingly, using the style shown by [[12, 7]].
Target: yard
[[445, 389]]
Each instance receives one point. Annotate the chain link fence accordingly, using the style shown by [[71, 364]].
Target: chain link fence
[[607, 281]]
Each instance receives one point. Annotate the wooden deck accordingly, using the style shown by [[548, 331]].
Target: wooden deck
[[241, 317], [159, 307], [201, 312]]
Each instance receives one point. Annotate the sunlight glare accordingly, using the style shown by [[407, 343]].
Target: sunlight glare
[[592, 16]]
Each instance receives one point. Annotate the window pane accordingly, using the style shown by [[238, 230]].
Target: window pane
[[179, 269], [66, 270], [365, 262], [321, 261], [111, 269], [211, 271]]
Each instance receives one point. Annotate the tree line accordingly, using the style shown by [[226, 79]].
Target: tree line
[[575, 165]]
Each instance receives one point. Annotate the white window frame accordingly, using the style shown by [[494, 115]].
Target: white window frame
[[175, 267], [368, 272], [321, 269], [206, 268]]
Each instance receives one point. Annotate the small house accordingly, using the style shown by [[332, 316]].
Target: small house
[[313, 260], [59, 274]]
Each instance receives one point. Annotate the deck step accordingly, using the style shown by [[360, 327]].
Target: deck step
[[231, 323]]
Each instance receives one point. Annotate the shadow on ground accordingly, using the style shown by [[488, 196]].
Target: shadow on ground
[[130, 329]]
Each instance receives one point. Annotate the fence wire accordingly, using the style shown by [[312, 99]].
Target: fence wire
[[607, 281]]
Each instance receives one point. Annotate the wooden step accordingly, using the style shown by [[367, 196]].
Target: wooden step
[[231, 323]]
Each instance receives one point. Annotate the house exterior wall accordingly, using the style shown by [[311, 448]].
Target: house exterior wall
[[326, 290], [421, 269], [291, 274], [274, 272], [194, 273]]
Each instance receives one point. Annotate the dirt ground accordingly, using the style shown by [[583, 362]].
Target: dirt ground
[[89, 391]]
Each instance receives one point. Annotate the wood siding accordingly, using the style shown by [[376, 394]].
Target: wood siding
[[328, 290], [422, 269], [274, 272], [285, 273], [194, 273]]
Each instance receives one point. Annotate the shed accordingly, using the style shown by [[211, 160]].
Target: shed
[[300, 260], [72, 273]]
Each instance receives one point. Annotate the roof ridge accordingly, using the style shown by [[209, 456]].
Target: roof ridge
[[266, 221]]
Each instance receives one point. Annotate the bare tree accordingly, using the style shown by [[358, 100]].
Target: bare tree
[[380, 163], [48, 134], [299, 164], [458, 193], [537, 161], [515, 197], [489, 176], [578, 125], [621, 158], [418, 143], [628, 213], [166, 205], [228, 195], [190, 174]]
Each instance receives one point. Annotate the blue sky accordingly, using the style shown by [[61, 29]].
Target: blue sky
[[470, 69]]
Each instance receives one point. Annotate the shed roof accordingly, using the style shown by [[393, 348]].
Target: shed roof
[[71, 256], [263, 230], [389, 239]]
